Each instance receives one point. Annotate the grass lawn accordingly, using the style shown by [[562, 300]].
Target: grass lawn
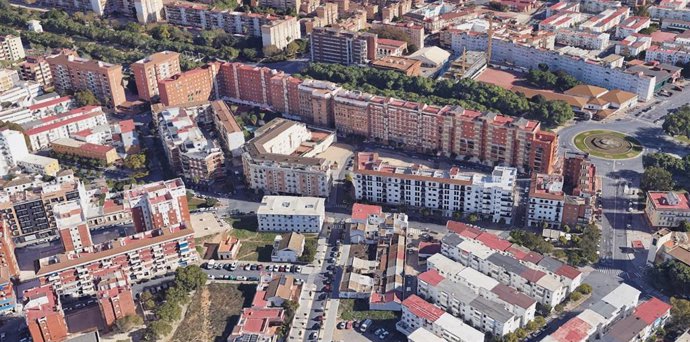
[[358, 309], [682, 138], [213, 312], [582, 144], [256, 246], [195, 202]]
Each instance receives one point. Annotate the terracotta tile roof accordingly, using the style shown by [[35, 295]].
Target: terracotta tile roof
[[423, 309], [361, 211], [652, 310], [431, 277]]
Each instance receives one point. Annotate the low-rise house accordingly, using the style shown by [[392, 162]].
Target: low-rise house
[[287, 247], [228, 248]]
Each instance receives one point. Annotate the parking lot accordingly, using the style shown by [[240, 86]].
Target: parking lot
[[373, 333], [252, 271]]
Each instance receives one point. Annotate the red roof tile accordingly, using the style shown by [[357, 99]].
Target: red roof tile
[[126, 126], [52, 102], [568, 272], [463, 229], [363, 211], [494, 242], [431, 277], [574, 330], [429, 247], [652, 310], [423, 309]]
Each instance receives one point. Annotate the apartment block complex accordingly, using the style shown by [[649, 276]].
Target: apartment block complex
[[72, 73], [419, 314], [332, 45], [283, 158], [145, 11], [632, 25], [450, 191], [36, 69], [50, 128], [191, 153], [196, 85], [11, 48], [606, 20], [154, 68], [159, 206], [291, 214]]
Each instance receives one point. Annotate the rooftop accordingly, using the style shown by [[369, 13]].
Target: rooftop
[[291, 205]]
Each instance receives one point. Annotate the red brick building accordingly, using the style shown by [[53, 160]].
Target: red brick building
[[148, 71], [159, 205], [190, 86]]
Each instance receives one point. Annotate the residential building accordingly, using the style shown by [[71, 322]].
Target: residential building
[[149, 11], [280, 33], [414, 31], [291, 214], [159, 205], [36, 69], [285, 5], [669, 245], [667, 209], [417, 313], [520, 5], [37, 164], [228, 248], [598, 6], [669, 53], [446, 190], [72, 73], [287, 247], [253, 85], [44, 316], [152, 69], [283, 158], [606, 20], [563, 6], [196, 85], [331, 45], [546, 201], [673, 10], [13, 148], [633, 45], [27, 204], [8, 79], [9, 269], [191, 154], [70, 220], [125, 136], [632, 25], [327, 14], [43, 132], [645, 320], [11, 48], [595, 320], [230, 133], [102, 153], [48, 105], [315, 102], [115, 303], [406, 66], [582, 39], [559, 21]]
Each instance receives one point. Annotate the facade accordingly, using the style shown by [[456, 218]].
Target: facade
[[641, 324], [196, 85], [582, 39], [280, 33], [43, 132], [632, 25], [407, 66], [11, 48], [330, 45], [633, 45], [667, 209], [70, 220], [229, 132], [8, 78], [36, 69], [149, 11], [606, 20], [282, 158], [228, 248], [160, 205], [71, 73], [450, 191], [414, 31], [190, 153], [9, 269], [38, 164], [285, 5], [546, 201], [102, 153], [287, 247], [291, 214], [150, 70], [13, 148], [417, 313], [44, 316]]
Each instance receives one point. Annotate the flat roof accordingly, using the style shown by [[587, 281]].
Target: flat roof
[[291, 205]]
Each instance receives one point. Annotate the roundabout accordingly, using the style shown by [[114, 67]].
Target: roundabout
[[607, 144]]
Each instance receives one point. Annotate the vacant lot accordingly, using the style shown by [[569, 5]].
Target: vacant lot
[[358, 309], [256, 246], [213, 312]]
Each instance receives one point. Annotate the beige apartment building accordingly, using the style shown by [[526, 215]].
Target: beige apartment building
[[11, 48], [72, 73], [150, 70], [36, 69]]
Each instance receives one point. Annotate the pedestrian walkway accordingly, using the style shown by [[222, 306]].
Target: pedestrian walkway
[[610, 271]]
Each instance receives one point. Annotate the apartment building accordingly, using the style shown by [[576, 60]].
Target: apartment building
[[44, 316], [8, 78], [560, 20], [670, 9], [414, 31], [283, 158], [635, 44], [72, 73], [149, 11], [43, 132], [546, 201], [667, 209], [598, 6], [519, 5], [645, 320], [253, 85], [159, 205], [196, 85], [229, 131], [417, 313], [27, 204], [563, 6], [11, 48], [36, 69], [156, 67], [669, 245], [9, 269], [582, 39], [669, 53], [596, 320], [191, 153], [291, 214], [105, 154], [13, 149], [70, 220], [450, 191], [632, 25], [285, 5], [606, 20], [331, 45], [280, 33]]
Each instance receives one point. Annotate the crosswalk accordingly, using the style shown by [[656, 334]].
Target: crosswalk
[[610, 271]]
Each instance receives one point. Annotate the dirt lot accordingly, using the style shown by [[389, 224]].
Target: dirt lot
[[502, 78], [213, 312]]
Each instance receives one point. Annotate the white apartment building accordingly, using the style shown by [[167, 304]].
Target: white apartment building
[[560, 20], [632, 25], [582, 39], [283, 158], [633, 45], [417, 313], [546, 201], [606, 20], [46, 130], [13, 148], [291, 214], [669, 53], [598, 6], [280, 33], [11, 48], [149, 11], [595, 72], [491, 196], [670, 9], [158, 205], [229, 132]]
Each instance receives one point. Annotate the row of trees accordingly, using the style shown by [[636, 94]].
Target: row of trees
[[678, 122], [467, 93], [559, 80], [665, 172], [187, 279]]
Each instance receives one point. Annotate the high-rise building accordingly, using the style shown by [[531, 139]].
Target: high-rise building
[[11, 48], [331, 45], [13, 148], [72, 73], [149, 11], [116, 303], [280, 33], [150, 70], [190, 86], [36, 69], [159, 205]]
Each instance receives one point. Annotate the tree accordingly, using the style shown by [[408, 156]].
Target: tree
[[497, 6], [135, 161], [190, 278], [678, 122], [672, 275], [656, 179], [684, 226], [575, 296], [680, 315], [210, 202], [584, 289], [157, 330], [531, 241], [472, 218], [176, 294], [309, 251], [86, 98], [169, 312], [249, 54], [127, 323]]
